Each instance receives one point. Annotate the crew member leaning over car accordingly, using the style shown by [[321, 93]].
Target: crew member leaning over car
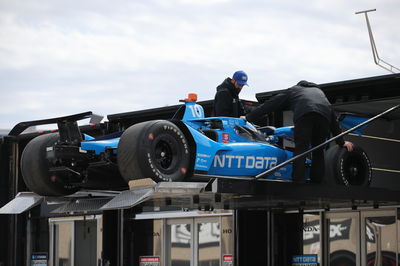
[[227, 102], [313, 119]]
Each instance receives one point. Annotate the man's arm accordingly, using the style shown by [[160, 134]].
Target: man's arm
[[336, 130], [276, 103]]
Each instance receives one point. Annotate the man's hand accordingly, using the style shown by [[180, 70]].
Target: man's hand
[[348, 145], [242, 117]]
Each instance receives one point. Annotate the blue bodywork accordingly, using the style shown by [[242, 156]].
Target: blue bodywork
[[350, 121], [224, 145], [99, 146], [232, 153]]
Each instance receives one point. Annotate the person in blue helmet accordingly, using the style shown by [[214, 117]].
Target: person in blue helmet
[[226, 101]]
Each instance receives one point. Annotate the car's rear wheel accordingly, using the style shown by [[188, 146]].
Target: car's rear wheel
[[154, 149], [347, 168], [35, 168]]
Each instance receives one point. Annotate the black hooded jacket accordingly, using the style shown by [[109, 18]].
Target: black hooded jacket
[[227, 102], [303, 98]]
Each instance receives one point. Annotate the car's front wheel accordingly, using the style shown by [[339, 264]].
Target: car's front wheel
[[154, 149]]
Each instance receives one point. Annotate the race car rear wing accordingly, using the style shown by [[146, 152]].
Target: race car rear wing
[[67, 126], [60, 121]]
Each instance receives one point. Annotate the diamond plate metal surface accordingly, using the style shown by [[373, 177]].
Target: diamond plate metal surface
[[81, 205], [128, 198]]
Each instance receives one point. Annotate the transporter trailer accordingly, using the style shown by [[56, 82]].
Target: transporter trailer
[[181, 160]]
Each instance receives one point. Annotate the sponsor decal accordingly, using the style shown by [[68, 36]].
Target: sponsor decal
[[248, 162], [305, 260], [280, 172], [311, 232], [233, 123], [39, 259], [227, 260], [337, 231], [149, 261], [225, 137], [340, 230], [370, 232], [200, 162]]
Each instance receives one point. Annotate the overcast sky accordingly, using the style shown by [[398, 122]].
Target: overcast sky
[[60, 57]]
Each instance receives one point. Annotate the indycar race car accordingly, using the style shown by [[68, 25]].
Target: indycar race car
[[187, 147]]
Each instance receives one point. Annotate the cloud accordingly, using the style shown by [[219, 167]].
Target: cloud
[[57, 59]]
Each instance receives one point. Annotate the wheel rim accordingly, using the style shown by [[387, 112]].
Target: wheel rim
[[166, 156], [163, 154], [355, 170]]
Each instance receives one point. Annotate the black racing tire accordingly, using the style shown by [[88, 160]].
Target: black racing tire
[[35, 168], [347, 168], [154, 149]]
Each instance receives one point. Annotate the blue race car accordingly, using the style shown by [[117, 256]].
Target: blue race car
[[189, 146]]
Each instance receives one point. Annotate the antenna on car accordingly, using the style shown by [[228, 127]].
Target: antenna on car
[[377, 60]]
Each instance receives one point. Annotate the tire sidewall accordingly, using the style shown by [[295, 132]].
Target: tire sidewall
[[360, 155], [35, 168], [164, 133], [337, 159]]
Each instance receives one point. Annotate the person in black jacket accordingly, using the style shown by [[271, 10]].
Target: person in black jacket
[[313, 119], [227, 102]]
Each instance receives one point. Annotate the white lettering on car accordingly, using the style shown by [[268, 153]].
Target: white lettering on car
[[248, 162], [219, 160], [239, 159], [260, 163], [230, 157]]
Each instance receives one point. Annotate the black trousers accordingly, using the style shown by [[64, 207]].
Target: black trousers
[[309, 131]]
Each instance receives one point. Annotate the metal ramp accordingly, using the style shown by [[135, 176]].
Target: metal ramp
[[218, 194], [177, 194], [144, 191], [82, 201], [22, 202]]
